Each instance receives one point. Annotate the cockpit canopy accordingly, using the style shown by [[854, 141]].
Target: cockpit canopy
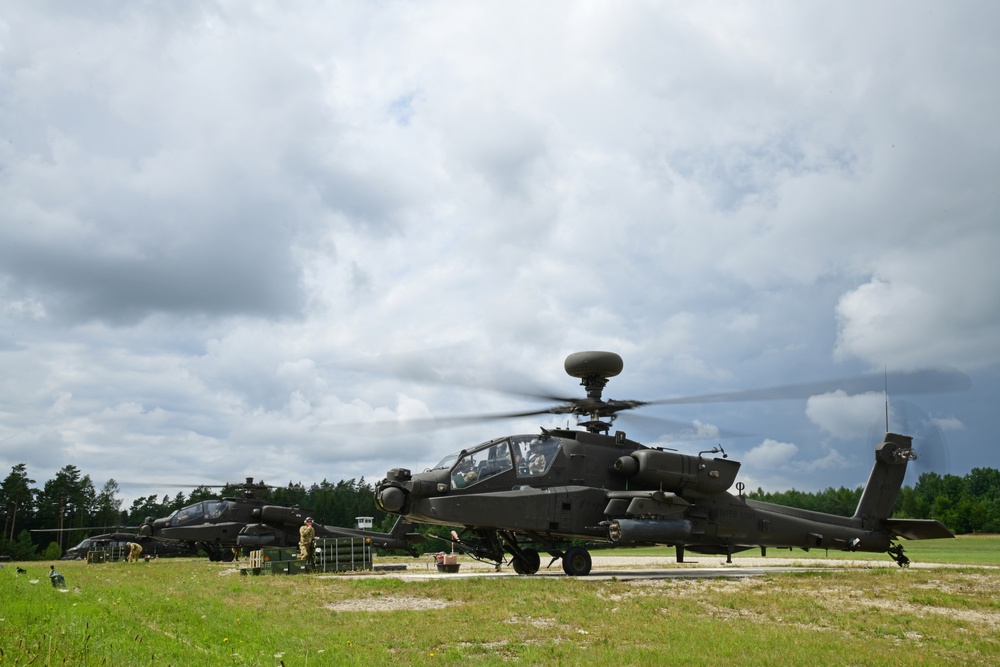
[[527, 455], [204, 511]]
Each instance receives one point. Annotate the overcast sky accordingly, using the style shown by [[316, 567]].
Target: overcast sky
[[233, 233]]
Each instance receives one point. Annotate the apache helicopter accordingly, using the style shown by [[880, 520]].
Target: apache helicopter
[[118, 540], [150, 546], [563, 485], [220, 526]]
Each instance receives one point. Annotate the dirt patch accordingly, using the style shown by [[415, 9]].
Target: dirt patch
[[388, 603]]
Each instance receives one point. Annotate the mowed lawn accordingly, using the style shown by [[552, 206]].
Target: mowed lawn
[[193, 612]]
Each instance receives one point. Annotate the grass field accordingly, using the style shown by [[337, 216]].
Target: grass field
[[966, 550], [192, 612]]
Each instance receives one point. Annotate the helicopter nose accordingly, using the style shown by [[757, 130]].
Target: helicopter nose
[[391, 498]]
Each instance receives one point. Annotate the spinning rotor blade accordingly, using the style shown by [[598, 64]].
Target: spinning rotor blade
[[595, 368], [930, 381], [115, 529], [425, 367], [928, 440], [911, 382], [433, 423], [680, 431], [233, 486]]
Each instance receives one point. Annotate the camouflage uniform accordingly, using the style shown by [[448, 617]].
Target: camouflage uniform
[[134, 551], [306, 536]]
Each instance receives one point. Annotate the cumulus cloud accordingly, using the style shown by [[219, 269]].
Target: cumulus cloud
[[911, 312], [846, 416], [772, 453], [204, 205]]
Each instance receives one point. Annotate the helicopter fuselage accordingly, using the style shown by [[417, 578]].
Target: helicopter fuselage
[[219, 526], [564, 485]]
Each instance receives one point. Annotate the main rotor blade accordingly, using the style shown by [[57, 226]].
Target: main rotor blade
[[181, 485], [171, 485], [935, 381], [90, 528], [432, 423], [428, 368], [679, 431]]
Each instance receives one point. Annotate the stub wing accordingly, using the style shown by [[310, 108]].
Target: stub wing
[[917, 529]]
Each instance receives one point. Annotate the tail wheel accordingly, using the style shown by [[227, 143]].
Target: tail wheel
[[576, 562]]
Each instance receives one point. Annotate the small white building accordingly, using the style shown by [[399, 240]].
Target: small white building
[[363, 522]]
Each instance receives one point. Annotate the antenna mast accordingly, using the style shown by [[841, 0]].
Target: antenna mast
[[885, 375]]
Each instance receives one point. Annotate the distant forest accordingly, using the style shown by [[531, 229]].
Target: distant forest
[[70, 502], [969, 504]]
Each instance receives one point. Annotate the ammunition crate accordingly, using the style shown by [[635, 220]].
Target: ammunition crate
[[342, 554], [278, 554], [329, 555]]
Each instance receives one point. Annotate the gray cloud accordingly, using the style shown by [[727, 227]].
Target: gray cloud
[[202, 206]]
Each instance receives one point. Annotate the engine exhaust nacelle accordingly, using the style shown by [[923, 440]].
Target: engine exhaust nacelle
[[672, 471], [275, 514]]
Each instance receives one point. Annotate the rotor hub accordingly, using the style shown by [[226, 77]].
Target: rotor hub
[[594, 369], [602, 365]]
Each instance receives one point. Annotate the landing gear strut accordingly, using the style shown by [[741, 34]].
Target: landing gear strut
[[527, 562], [217, 553], [896, 551]]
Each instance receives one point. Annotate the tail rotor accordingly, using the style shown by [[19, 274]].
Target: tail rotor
[[928, 440]]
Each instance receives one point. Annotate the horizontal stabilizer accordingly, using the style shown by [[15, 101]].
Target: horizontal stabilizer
[[917, 529]]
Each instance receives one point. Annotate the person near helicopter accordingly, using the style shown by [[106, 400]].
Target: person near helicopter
[[306, 536], [536, 459], [134, 552], [464, 474]]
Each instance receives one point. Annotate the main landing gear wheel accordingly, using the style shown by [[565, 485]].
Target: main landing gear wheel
[[576, 562], [530, 562]]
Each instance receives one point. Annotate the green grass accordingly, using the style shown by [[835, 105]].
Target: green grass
[[963, 550], [192, 612]]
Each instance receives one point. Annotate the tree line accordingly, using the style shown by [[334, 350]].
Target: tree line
[[69, 508], [42, 522], [968, 504]]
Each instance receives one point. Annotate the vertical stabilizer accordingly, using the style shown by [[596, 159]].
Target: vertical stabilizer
[[879, 496]]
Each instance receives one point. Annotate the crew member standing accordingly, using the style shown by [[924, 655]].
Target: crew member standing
[[306, 536]]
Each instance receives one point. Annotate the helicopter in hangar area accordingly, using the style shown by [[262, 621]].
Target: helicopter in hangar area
[[220, 526], [515, 493]]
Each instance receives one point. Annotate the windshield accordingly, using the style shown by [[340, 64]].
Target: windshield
[[534, 454], [446, 462], [529, 455], [207, 510], [483, 462]]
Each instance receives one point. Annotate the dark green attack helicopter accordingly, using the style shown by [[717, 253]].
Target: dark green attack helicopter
[[248, 521], [549, 491]]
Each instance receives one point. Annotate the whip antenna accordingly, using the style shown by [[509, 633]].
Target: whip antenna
[[885, 374]]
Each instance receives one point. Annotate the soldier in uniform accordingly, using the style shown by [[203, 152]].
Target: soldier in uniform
[[306, 536], [134, 551], [536, 460]]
